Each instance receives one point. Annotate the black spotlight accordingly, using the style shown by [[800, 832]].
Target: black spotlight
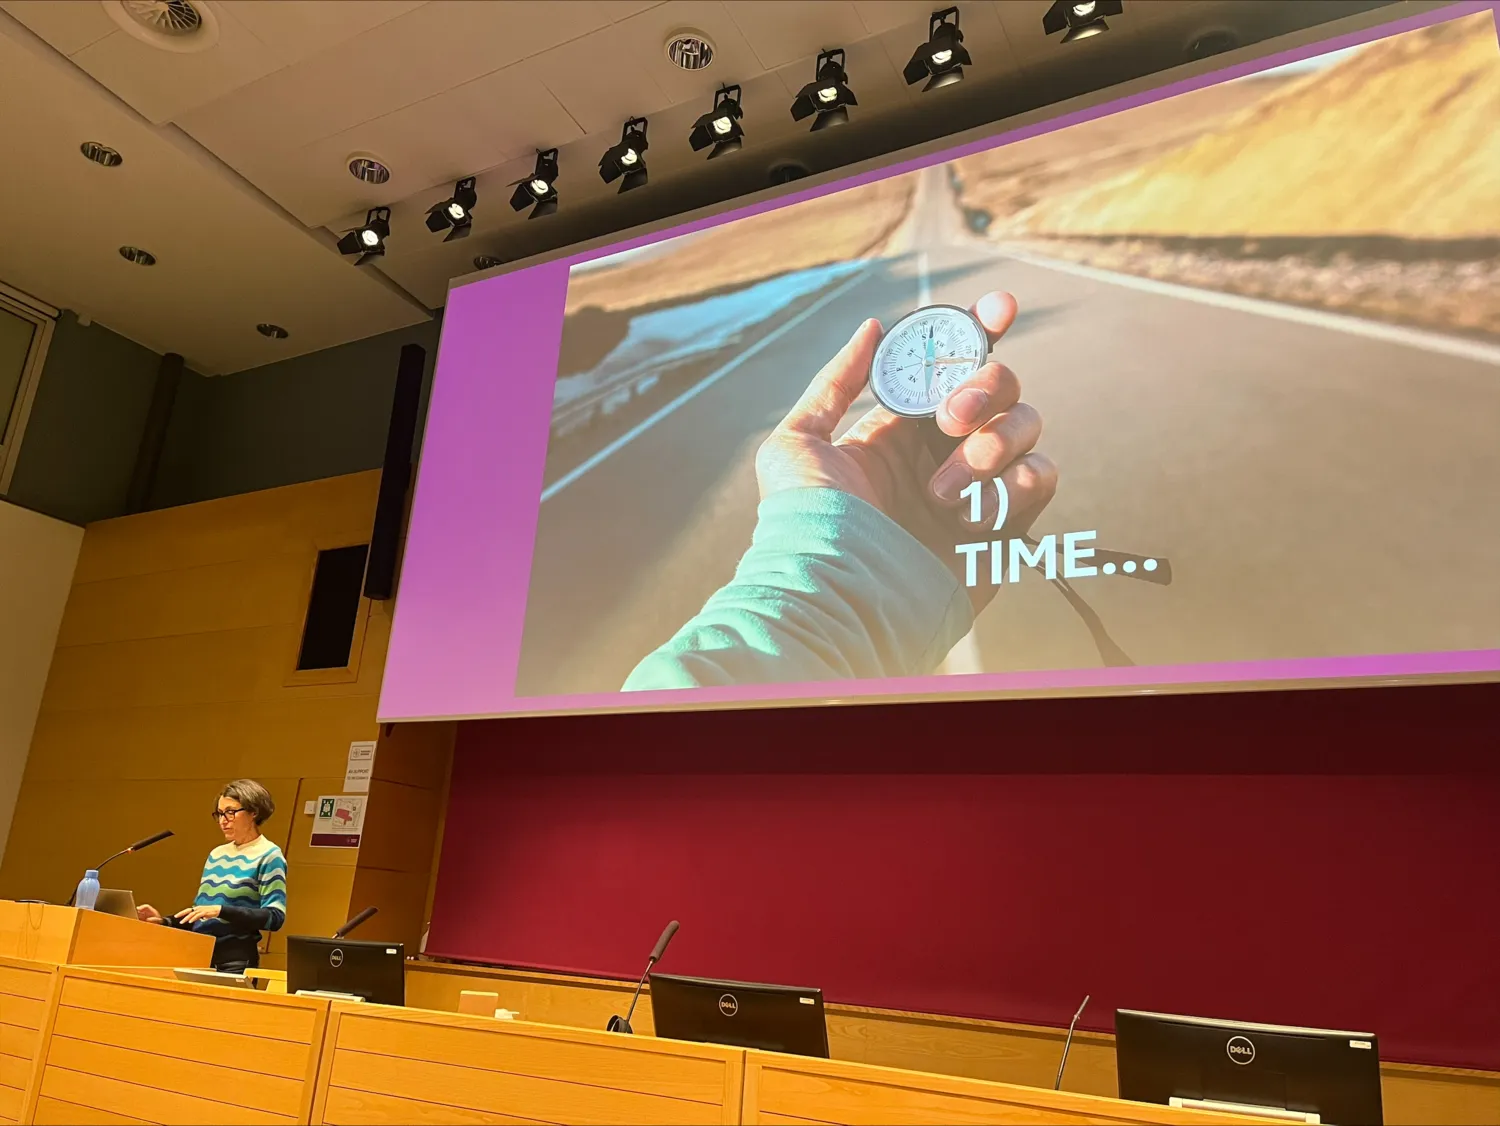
[[828, 95], [539, 190], [941, 60], [1082, 18], [457, 211], [628, 158], [720, 126], [368, 241]]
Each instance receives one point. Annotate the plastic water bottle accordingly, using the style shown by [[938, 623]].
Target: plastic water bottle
[[88, 891]]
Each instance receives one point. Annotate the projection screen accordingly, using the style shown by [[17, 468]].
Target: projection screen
[[1216, 373]]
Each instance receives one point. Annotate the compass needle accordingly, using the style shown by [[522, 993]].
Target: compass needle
[[945, 342]]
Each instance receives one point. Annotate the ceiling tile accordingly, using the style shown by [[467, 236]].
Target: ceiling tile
[[618, 10], [881, 16], [597, 83], [459, 132], [225, 259], [160, 84], [399, 63], [644, 38], [295, 31], [779, 32], [67, 27]]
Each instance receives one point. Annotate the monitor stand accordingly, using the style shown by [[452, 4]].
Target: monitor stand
[[1273, 1112]]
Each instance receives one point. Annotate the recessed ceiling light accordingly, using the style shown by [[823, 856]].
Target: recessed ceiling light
[[101, 154], [487, 261], [691, 50], [275, 332], [137, 255], [367, 169]]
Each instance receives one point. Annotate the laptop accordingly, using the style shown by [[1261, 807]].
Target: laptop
[[214, 977], [113, 901]]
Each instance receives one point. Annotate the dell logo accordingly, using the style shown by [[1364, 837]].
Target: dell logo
[[335, 957], [728, 1005], [1240, 1050]]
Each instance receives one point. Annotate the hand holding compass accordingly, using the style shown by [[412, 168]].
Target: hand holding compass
[[882, 458]]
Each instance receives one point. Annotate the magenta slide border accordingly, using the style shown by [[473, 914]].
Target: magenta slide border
[[456, 639]]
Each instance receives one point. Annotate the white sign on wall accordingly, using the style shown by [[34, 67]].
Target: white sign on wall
[[360, 768]]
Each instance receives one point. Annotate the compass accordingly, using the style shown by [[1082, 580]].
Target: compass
[[925, 356]]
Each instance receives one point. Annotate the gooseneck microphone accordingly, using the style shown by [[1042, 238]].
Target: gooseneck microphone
[[151, 840], [622, 1023], [354, 922], [1068, 1043]]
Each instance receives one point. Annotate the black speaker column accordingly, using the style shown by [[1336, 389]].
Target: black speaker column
[[395, 475], [154, 436]]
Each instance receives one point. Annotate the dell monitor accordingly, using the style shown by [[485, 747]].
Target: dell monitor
[[1291, 1074], [774, 1018], [374, 971]]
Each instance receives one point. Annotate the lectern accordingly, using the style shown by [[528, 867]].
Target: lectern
[[68, 936]]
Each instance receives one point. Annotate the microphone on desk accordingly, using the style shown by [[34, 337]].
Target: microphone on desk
[[151, 840], [622, 1023], [354, 922], [1068, 1043]]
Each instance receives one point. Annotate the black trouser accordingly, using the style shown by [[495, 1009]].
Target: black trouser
[[234, 954]]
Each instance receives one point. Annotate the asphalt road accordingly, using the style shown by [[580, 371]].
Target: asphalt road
[[1319, 492]]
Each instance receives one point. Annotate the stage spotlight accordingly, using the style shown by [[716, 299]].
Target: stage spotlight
[[457, 211], [941, 60], [1082, 18], [720, 126], [368, 241], [539, 190], [828, 95], [628, 158]]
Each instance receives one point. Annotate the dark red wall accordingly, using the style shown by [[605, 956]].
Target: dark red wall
[[1321, 857]]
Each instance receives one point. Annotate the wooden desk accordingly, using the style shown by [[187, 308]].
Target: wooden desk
[[408, 1065], [44, 932], [128, 1049], [792, 1089], [963, 1047], [26, 996]]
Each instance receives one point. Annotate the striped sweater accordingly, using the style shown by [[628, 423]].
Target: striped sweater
[[248, 885]]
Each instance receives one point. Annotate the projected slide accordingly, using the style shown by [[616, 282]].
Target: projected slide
[[1203, 390]]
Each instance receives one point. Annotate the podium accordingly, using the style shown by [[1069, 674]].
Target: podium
[[68, 936]]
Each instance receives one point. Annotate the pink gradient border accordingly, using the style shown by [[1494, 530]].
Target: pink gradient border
[[456, 638]]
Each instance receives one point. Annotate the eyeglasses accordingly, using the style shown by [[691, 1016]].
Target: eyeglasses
[[226, 814]]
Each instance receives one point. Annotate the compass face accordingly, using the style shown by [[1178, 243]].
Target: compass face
[[924, 357]]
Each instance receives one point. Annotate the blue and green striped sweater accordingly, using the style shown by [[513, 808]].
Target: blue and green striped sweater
[[248, 885]]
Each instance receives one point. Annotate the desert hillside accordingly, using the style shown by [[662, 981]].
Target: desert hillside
[[831, 229], [1006, 180], [1401, 138]]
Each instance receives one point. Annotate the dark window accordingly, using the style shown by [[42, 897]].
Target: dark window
[[333, 608]]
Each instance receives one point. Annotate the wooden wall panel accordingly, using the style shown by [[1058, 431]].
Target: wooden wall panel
[[175, 672], [396, 1065], [143, 1049]]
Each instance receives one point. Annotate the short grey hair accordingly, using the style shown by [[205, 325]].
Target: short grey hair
[[252, 796]]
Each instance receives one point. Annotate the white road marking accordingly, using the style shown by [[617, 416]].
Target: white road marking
[[1423, 339], [963, 657], [698, 388]]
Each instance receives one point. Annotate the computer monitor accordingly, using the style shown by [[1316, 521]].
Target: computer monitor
[[741, 1014], [1317, 1074], [375, 971]]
